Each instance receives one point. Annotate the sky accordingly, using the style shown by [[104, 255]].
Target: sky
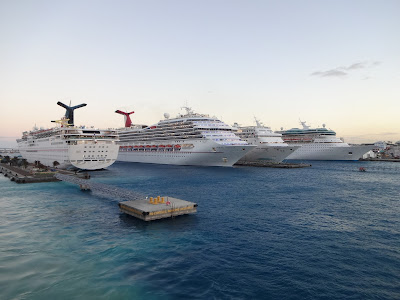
[[324, 62]]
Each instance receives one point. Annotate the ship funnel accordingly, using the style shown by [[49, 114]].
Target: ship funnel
[[69, 113], [128, 121]]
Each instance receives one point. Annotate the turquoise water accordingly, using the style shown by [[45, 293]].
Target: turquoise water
[[325, 232]]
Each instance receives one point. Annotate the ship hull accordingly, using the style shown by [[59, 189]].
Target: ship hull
[[203, 153], [269, 153], [320, 151], [89, 155]]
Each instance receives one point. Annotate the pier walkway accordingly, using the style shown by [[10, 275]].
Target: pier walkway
[[138, 206], [109, 190]]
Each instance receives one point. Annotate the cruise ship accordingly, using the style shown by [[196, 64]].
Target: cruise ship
[[321, 144], [188, 139], [270, 146], [68, 146]]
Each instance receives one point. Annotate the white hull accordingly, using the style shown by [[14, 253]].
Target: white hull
[[269, 153], [203, 153], [320, 151], [88, 155]]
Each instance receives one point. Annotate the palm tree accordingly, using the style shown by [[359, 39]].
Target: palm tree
[[6, 159], [25, 162], [41, 166], [14, 161]]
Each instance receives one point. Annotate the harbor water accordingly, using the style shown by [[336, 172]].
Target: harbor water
[[322, 232]]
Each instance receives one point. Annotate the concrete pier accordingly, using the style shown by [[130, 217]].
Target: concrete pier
[[20, 175], [157, 208]]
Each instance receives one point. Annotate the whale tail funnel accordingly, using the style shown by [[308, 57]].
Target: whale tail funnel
[[128, 121], [69, 111]]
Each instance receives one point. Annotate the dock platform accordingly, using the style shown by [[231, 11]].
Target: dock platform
[[149, 209]]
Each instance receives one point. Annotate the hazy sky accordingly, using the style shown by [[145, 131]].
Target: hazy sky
[[333, 62]]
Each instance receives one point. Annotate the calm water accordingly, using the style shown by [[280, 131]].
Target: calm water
[[325, 232]]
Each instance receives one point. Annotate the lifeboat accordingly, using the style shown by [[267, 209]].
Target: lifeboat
[[187, 146]]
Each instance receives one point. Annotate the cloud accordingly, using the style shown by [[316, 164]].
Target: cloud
[[355, 66], [343, 71], [330, 73]]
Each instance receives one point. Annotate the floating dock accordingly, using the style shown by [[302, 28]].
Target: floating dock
[[149, 209], [380, 159], [269, 164]]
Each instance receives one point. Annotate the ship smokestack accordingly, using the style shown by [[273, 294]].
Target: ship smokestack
[[128, 121], [69, 113]]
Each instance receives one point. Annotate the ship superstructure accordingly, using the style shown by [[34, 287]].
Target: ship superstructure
[[188, 139], [321, 144], [270, 146], [69, 146]]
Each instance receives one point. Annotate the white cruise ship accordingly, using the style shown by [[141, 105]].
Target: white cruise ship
[[321, 144], [270, 146], [70, 146], [189, 139]]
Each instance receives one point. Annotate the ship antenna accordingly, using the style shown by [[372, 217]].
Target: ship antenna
[[188, 109], [69, 113], [128, 121], [258, 123]]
